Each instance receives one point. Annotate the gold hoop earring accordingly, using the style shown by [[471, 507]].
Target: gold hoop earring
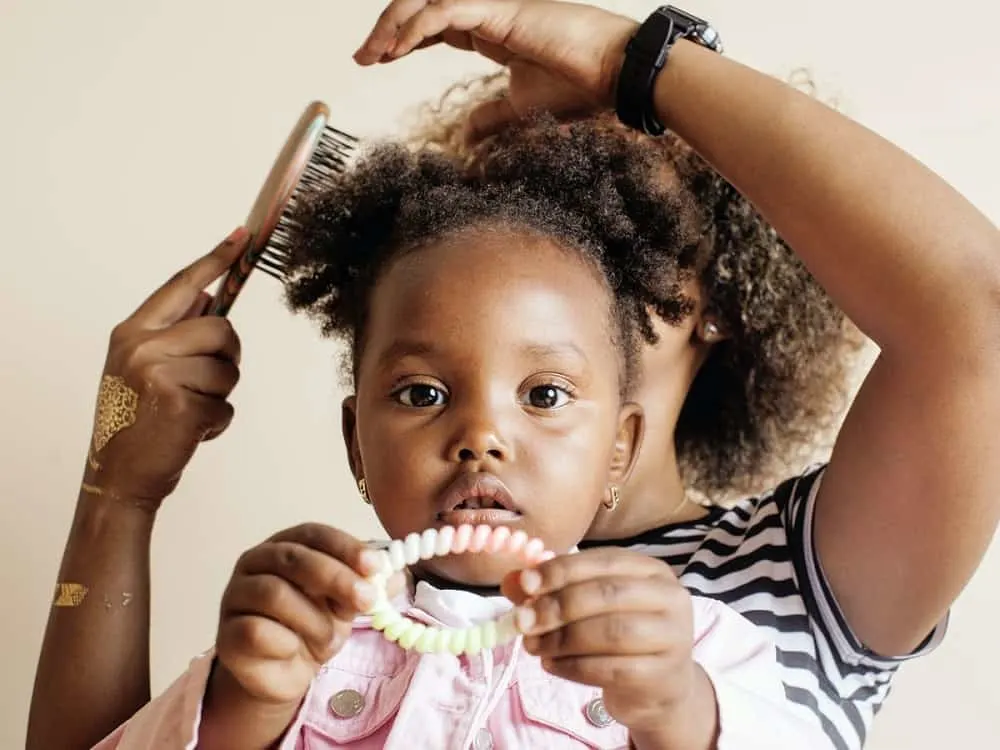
[[363, 489], [613, 499]]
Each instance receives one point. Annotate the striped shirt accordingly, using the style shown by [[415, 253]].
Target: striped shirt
[[758, 557]]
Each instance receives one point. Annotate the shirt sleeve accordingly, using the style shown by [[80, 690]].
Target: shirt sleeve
[[172, 720], [741, 663], [820, 600]]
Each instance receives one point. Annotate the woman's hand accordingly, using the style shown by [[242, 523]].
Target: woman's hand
[[622, 622], [562, 57], [166, 379], [288, 609]]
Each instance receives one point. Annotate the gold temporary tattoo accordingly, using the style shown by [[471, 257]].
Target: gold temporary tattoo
[[91, 461], [116, 409], [126, 599], [70, 594], [91, 489], [107, 603]]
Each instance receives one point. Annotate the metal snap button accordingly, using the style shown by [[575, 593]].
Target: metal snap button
[[347, 704], [597, 714], [483, 741]]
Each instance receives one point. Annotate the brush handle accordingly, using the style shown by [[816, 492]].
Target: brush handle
[[274, 195], [430, 639]]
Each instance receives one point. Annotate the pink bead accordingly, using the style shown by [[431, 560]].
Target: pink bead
[[499, 538], [516, 542], [461, 541], [533, 551], [480, 537]]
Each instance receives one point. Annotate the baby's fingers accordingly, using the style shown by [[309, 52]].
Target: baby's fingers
[[254, 604], [264, 658], [618, 634], [598, 596], [566, 570], [316, 574]]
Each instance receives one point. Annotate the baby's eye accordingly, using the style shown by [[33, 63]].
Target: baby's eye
[[548, 397], [421, 396]]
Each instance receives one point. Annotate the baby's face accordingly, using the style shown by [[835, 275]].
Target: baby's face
[[488, 392]]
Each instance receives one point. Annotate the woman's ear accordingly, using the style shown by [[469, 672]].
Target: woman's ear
[[349, 426], [631, 427]]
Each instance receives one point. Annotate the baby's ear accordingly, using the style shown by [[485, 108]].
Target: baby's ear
[[349, 427], [631, 426]]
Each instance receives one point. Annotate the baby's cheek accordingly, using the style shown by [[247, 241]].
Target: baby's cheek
[[564, 528]]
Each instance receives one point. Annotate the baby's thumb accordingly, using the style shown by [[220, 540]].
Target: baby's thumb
[[396, 584]]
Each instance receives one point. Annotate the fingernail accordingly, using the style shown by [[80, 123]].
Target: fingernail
[[236, 236], [364, 594], [369, 561], [524, 618], [530, 581]]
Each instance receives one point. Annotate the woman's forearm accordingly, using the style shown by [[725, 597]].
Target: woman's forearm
[[908, 259], [93, 672]]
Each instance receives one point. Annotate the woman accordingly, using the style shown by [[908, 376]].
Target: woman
[[910, 499]]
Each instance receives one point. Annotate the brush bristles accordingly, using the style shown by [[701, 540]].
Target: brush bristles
[[333, 152]]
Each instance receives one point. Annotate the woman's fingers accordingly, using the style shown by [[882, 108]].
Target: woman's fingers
[[206, 375], [199, 306], [406, 25], [383, 34], [210, 335], [172, 301]]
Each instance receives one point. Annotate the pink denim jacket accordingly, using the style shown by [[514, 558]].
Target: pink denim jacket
[[374, 695]]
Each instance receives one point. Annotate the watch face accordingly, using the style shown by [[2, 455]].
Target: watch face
[[708, 37], [693, 28]]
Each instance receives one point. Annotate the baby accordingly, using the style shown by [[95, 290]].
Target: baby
[[493, 351]]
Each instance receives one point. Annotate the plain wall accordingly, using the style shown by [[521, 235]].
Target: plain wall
[[136, 134]]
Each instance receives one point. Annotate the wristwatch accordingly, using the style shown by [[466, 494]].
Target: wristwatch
[[646, 55]]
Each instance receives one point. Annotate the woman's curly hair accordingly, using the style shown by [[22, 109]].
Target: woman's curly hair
[[652, 215]]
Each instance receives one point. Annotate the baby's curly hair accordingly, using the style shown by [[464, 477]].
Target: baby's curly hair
[[651, 215], [395, 200]]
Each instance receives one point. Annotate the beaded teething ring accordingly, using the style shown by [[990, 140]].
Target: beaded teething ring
[[429, 639]]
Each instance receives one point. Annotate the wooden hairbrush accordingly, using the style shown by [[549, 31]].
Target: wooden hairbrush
[[312, 155]]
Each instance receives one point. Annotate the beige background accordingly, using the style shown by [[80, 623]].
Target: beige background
[[135, 134]]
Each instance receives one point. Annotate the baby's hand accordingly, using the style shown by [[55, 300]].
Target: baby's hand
[[288, 610], [617, 620]]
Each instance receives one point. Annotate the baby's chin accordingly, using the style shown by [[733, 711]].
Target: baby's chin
[[479, 570]]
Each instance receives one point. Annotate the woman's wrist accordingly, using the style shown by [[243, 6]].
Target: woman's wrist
[[102, 490], [109, 513]]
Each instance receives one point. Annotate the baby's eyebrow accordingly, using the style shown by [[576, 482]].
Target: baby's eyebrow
[[560, 349], [563, 351], [405, 348]]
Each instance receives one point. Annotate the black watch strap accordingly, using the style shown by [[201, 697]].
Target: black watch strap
[[646, 55]]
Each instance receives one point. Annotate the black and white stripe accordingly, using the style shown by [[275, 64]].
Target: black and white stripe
[[758, 557]]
